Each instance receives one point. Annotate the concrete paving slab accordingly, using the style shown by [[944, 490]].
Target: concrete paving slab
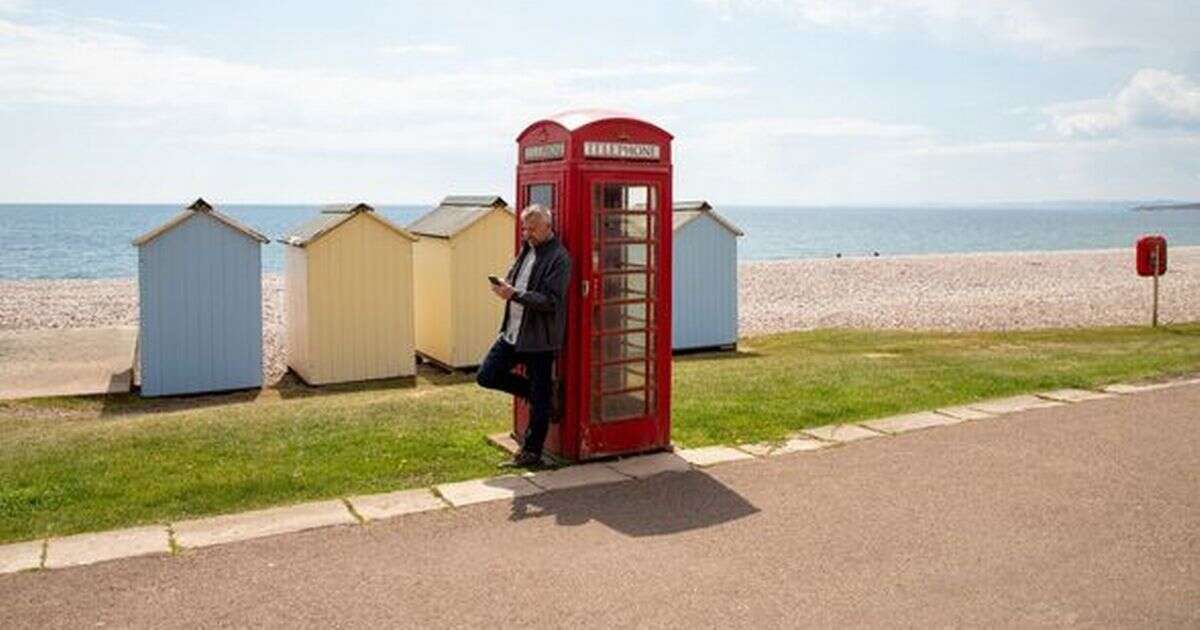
[[66, 362], [247, 525], [390, 504], [1013, 404], [964, 413], [841, 433], [1074, 395], [712, 455], [799, 444], [761, 449], [642, 466], [575, 476], [505, 441], [20, 556], [910, 422], [100, 546], [484, 490], [1129, 388]]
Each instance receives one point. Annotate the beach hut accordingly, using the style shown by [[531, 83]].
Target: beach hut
[[704, 278], [199, 304], [462, 241], [348, 282]]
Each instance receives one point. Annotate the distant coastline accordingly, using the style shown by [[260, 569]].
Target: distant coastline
[[1151, 207]]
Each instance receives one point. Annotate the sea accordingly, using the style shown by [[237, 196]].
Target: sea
[[93, 240]]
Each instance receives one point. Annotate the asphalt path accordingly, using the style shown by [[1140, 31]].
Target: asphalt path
[[1085, 514]]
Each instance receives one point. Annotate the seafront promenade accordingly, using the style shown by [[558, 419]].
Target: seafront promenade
[[1000, 291], [1079, 514]]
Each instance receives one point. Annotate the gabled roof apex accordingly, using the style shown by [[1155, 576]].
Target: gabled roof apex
[[200, 205]]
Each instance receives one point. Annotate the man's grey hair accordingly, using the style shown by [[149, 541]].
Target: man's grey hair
[[537, 209]]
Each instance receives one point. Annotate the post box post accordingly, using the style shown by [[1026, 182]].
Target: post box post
[[1154, 262], [1151, 259]]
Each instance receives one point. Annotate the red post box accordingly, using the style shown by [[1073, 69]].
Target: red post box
[[606, 178], [1148, 249]]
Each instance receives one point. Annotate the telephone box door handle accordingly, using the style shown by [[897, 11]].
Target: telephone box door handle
[[587, 285]]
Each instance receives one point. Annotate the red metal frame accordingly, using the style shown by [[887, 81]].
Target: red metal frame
[[578, 435]]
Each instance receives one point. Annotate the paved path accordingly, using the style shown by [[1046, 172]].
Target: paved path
[[67, 362], [1082, 514]]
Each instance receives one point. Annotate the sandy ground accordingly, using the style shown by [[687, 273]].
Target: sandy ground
[[1000, 291]]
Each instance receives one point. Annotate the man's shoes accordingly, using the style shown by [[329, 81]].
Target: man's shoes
[[524, 459]]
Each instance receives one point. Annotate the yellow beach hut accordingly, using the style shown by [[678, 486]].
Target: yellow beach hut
[[348, 283], [463, 240]]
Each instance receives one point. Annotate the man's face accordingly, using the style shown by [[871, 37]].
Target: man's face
[[535, 230]]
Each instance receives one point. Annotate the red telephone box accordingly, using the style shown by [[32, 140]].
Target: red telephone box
[[607, 179]]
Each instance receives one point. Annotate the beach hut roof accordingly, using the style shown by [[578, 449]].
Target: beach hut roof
[[330, 218], [686, 211], [199, 206], [455, 214], [494, 201]]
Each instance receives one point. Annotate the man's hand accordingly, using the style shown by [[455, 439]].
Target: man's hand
[[504, 290]]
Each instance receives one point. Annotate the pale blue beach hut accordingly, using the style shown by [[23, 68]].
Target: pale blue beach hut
[[199, 304], [704, 306]]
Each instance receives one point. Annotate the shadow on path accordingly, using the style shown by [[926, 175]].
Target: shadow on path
[[668, 503]]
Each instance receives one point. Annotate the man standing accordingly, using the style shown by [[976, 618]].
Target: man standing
[[535, 319]]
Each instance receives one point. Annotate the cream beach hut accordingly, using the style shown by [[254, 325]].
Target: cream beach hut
[[463, 240], [348, 283], [199, 304], [704, 304]]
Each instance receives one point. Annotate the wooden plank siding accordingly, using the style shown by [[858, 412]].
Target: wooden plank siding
[[458, 316], [358, 322], [704, 285], [200, 309]]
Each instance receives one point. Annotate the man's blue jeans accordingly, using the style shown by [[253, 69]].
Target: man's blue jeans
[[536, 386]]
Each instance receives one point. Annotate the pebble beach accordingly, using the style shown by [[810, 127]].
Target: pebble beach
[[994, 291]]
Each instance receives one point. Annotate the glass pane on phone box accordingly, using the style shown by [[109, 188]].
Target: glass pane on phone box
[[633, 286], [623, 226], [623, 257], [622, 406], [542, 194], [624, 376], [607, 348], [621, 316], [636, 197]]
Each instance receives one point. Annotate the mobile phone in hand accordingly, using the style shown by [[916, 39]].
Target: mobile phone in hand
[[494, 280]]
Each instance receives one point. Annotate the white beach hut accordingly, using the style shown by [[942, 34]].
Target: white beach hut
[[704, 278]]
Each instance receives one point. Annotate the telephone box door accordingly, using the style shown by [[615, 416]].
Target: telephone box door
[[626, 313]]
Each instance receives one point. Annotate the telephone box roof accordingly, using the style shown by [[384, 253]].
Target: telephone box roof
[[576, 119]]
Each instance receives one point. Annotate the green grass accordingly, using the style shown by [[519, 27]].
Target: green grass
[[81, 464]]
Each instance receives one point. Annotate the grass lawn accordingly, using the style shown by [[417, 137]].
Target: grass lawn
[[81, 464]]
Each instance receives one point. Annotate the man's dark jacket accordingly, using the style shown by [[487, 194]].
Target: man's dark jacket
[[544, 322]]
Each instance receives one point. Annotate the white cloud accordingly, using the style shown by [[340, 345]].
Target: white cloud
[[14, 6], [797, 127], [421, 49], [1152, 99], [85, 63], [1062, 25]]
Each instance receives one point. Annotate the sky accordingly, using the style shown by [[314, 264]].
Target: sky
[[781, 102]]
